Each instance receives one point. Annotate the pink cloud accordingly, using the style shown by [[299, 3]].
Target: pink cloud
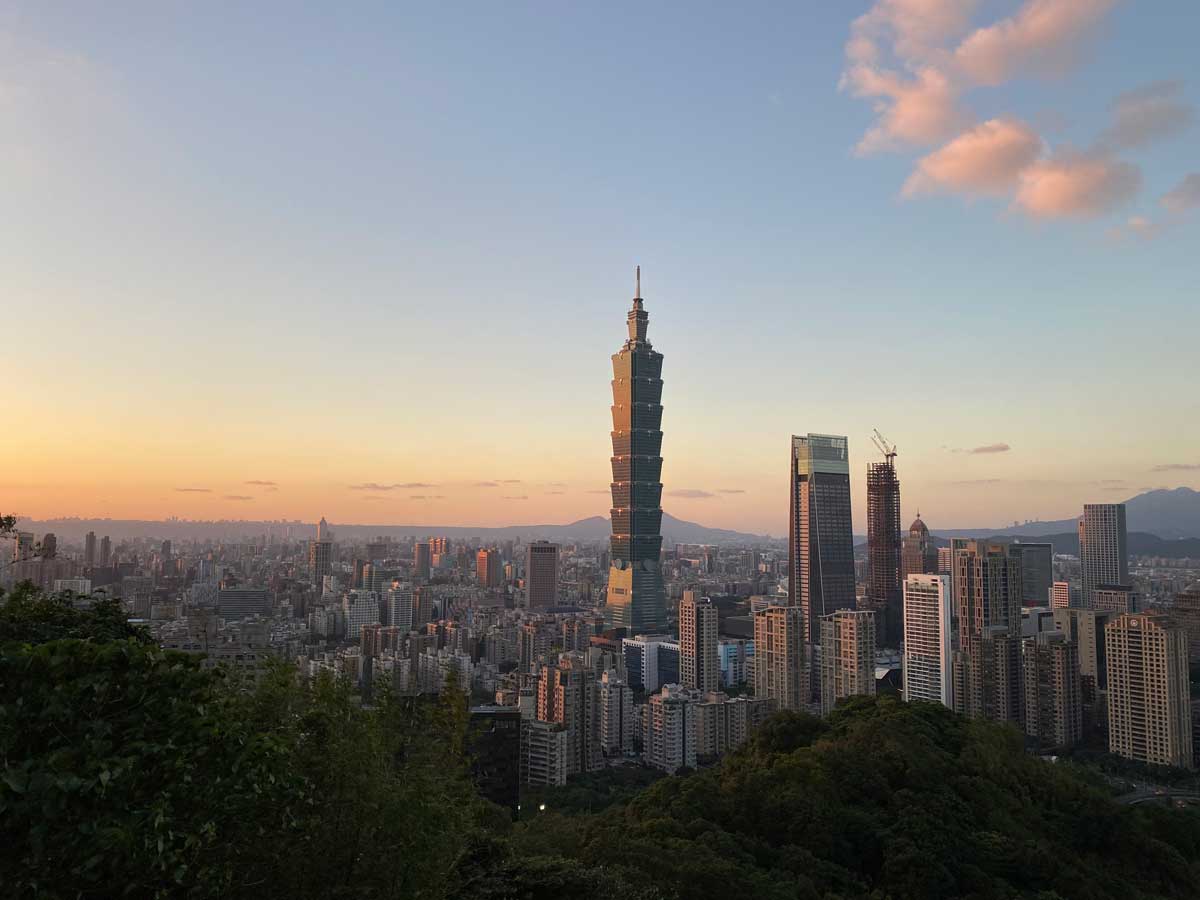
[[988, 159], [918, 111], [1185, 195], [1147, 114], [1076, 186], [914, 28], [1040, 36]]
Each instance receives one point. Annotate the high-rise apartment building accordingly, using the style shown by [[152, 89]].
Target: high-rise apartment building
[[927, 639], [421, 556], [1149, 708], [1085, 628], [1060, 595], [699, 665], [847, 656], [1186, 611], [1103, 555], [780, 667], [617, 717], [488, 571], [919, 555], [320, 560], [89, 549], [398, 601], [883, 549], [820, 530], [1053, 709], [569, 693], [987, 599], [1037, 572], [636, 599], [670, 729], [541, 575]]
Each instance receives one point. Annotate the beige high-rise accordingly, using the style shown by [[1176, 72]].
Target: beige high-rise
[[1053, 705], [699, 666], [1149, 706], [847, 656], [780, 667]]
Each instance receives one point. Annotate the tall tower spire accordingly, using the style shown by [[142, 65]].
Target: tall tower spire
[[637, 294]]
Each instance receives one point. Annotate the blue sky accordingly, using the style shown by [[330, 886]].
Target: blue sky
[[395, 244]]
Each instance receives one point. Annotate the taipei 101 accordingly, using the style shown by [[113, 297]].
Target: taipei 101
[[616, 452]]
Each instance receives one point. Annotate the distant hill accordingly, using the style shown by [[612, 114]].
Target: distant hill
[[1140, 544], [1169, 514], [591, 530]]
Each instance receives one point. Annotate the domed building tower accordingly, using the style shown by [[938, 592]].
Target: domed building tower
[[919, 554]]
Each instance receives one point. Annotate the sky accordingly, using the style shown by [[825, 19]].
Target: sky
[[371, 262]]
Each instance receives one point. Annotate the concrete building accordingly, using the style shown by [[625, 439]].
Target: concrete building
[[735, 658], [544, 753], [1060, 595], [421, 560], [820, 530], [1037, 572], [398, 601], [1103, 555], [781, 672], [1053, 712], [568, 693], [1149, 702], [699, 665], [488, 571], [1085, 628], [918, 553], [81, 586], [541, 575], [1186, 612], [618, 719], [1114, 598], [987, 593], [927, 639], [242, 603], [847, 656], [361, 608], [320, 560], [884, 588], [89, 549], [670, 729]]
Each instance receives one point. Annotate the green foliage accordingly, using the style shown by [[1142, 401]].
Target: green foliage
[[594, 792], [883, 800], [28, 615]]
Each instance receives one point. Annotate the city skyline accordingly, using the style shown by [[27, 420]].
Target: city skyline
[[244, 289]]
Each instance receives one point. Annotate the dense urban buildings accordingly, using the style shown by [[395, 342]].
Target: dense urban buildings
[[698, 660], [1149, 710], [1103, 553], [927, 639], [820, 530], [883, 547], [636, 596]]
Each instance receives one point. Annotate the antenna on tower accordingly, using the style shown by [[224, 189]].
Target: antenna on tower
[[637, 293], [888, 450]]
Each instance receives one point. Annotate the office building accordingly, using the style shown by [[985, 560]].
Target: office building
[[1103, 557], [780, 667], [636, 598], [89, 549], [1053, 710], [1114, 598], [1186, 612], [488, 571], [945, 560], [320, 553], [927, 639], [1037, 572], [421, 558], [883, 549], [820, 530], [847, 656], [80, 586], [1149, 703], [698, 661], [105, 551], [541, 575], [242, 603], [670, 729]]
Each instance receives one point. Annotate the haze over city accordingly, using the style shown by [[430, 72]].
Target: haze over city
[[380, 284]]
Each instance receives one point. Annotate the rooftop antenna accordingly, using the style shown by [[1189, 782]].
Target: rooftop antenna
[[638, 290]]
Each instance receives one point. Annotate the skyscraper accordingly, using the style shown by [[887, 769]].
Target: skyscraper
[[1053, 704], [698, 660], [1103, 557], [1149, 709], [927, 639], [105, 551], [847, 656], [636, 598], [487, 568], [1037, 572], [541, 575], [421, 555], [780, 668], [987, 599], [820, 541], [320, 557], [883, 548], [89, 549]]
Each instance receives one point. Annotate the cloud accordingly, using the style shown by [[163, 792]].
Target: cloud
[[426, 497], [1042, 36], [1177, 467], [486, 484], [690, 494], [1076, 185], [551, 493], [915, 111], [978, 481], [262, 483], [1147, 114], [510, 481], [1185, 196], [237, 497], [399, 486], [991, 448], [522, 497], [730, 491], [193, 490], [914, 28], [988, 159]]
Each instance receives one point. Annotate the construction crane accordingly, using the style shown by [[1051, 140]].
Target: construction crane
[[888, 450]]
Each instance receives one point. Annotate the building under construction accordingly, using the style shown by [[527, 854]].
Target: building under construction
[[883, 546]]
